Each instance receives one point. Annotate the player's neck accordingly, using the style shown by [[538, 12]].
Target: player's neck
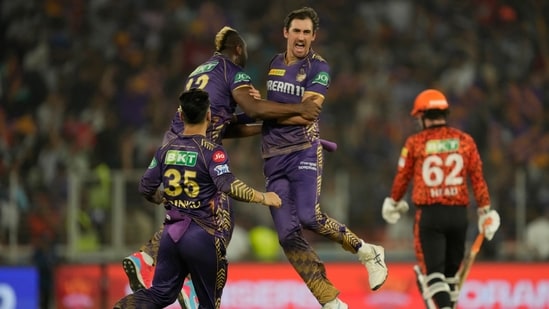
[[291, 59], [195, 129]]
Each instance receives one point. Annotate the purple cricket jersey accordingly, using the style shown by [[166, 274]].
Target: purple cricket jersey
[[218, 76], [287, 84], [195, 175]]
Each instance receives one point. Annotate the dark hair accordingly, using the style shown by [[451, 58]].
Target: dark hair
[[194, 105], [303, 13]]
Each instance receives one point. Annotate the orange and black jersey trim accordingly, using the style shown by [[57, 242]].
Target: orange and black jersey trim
[[439, 160]]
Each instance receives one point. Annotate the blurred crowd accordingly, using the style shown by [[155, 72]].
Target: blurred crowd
[[89, 86]]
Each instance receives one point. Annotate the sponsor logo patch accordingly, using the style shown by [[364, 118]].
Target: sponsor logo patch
[[204, 68], [322, 78], [442, 145], [180, 157], [241, 77], [153, 163], [221, 169], [277, 72], [219, 156]]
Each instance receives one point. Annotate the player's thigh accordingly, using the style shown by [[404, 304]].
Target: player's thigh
[[431, 241], [170, 270], [305, 181], [207, 263], [285, 217]]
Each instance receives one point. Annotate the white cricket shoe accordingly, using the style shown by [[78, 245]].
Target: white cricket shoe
[[373, 257], [335, 304]]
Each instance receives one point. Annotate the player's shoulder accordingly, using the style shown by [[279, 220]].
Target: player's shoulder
[[218, 154], [317, 62], [460, 133], [208, 144], [277, 59], [207, 66], [316, 57]]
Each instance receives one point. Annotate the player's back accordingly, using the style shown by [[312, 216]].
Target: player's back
[[218, 76], [186, 169], [442, 157]]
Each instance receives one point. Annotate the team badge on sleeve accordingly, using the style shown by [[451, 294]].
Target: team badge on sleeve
[[241, 77], [402, 159], [221, 169], [322, 78], [219, 156], [153, 163]]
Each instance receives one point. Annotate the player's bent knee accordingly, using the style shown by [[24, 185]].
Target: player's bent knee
[[291, 240]]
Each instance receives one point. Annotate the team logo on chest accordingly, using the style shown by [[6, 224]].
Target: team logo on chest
[[301, 75]]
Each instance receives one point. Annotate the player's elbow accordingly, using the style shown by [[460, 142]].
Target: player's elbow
[[253, 113]]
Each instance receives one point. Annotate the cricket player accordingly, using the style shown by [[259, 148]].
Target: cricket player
[[228, 86], [438, 160], [197, 181], [293, 164]]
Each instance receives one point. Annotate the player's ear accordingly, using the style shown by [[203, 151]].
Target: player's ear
[[209, 115], [239, 49]]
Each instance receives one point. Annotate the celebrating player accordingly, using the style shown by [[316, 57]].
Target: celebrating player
[[438, 160], [222, 76], [196, 178], [293, 164]]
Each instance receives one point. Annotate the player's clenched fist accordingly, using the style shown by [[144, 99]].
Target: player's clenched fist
[[271, 199]]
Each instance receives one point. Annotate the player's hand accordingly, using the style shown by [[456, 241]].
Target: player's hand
[[488, 221], [255, 93], [391, 210], [402, 207], [310, 108], [272, 199]]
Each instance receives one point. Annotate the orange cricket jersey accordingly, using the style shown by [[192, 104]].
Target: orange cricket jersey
[[439, 160]]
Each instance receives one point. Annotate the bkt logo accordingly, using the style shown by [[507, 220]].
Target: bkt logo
[[179, 157]]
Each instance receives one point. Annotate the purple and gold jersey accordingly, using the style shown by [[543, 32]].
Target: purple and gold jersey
[[288, 84], [195, 175], [218, 76]]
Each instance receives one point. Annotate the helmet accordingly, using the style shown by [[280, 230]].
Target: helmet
[[429, 99]]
